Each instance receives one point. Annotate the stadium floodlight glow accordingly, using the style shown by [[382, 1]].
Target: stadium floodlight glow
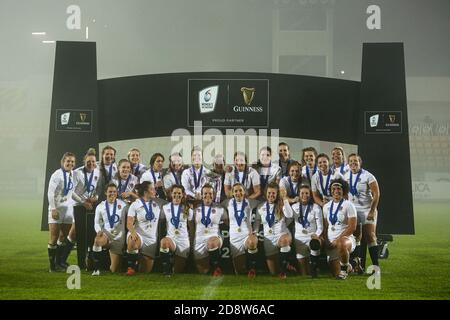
[[48, 41], [342, 71], [43, 33]]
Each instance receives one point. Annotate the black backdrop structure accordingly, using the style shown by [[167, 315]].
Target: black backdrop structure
[[299, 106]]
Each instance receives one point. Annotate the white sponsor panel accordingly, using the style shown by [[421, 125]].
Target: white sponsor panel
[[431, 190]]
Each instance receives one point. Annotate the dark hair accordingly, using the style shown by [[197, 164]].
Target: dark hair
[[183, 201], [355, 155], [344, 184], [295, 163], [207, 185], [269, 149], [110, 185], [310, 149], [278, 200], [323, 155], [307, 186], [154, 157], [142, 187], [90, 152], [102, 164], [283, 144]]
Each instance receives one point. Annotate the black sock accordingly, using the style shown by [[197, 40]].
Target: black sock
[[214, 258], [96, 257], [344, 267], [59, 253], [373, 251], [314, 260], [251, 259], [66, 250], [51, 255], [165, 262], [284, 261], [357, 252], [132, 259]]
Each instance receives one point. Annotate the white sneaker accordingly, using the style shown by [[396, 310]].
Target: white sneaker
[[96, 273], [342, 275]]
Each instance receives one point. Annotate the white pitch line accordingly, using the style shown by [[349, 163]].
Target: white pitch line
[[209, 290]]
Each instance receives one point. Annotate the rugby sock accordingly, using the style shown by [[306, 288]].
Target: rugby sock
[[373, 251], [314, 257], [283, 256], [60, 246], [251, 258], [132, 256], [357, 251], [51, 255], [96, 256], [67, 249], [165, 260], [214, 258], [344, 267]]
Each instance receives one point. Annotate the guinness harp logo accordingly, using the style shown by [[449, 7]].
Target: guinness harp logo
[[248, 94], [392, 118], [83, 116]]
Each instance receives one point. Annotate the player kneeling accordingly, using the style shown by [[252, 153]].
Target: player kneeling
[[110, 227], [176, 241], [308, 231], [340, 224], [208, 242], [143, 220], [277, 238]]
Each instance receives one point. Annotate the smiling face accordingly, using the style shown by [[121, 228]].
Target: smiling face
[[239, 161], [90, 163], [238, 193], [305, 195], [310, 158], [177, 162], [134, 157], [68, 163], [337, 192], [265, 157], [158, 165], [323, 165], [207, 195], [111, 194], [177, 195], [197, 158], [354, 163], [337, 156], [271, 195], [124, 170], [294, 172], [108, 156], [283, 152]]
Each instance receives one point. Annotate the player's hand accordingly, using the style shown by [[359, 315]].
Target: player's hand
[[283, 193], [55, 214], [371, 215], [88, 205], [134, 236]]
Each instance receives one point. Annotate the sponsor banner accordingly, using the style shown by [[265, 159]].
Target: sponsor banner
[[228, 102], [73, 120], [383, 122], [425, 190]]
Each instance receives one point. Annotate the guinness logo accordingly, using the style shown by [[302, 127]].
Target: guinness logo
[[392, 118], [83, 116], [248, 94]]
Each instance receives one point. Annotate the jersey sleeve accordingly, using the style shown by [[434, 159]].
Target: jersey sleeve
[[314, 186], [351, 210], [98, 223], [186, 184], [319, 220], [53, 184], [227, 179], [254, 177], [287, 209]]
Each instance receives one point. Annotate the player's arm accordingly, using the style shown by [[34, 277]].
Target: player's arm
[[375, 189]]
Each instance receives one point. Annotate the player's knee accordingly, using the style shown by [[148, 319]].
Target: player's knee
[[213, 243], [165, 243], [284, 241]]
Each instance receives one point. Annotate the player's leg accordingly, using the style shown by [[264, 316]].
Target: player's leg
[[167, 246], [302, 251], [369, 233], [344, 248], [284, 243], [214, 244], [239, 263], [115, 262], [64, 246], [146, 264], [314, 245], [54, 229], [133, 246], [179, 263], [251, 246], [99, 242]]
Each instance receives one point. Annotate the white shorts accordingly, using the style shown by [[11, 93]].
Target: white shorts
[[182, 246], [333, 254], [271, 244], [201, 246], [65, 215], [148, 245], [237, 244], [362, 216]]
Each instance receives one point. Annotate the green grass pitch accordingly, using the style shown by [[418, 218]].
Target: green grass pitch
[[418, 268]]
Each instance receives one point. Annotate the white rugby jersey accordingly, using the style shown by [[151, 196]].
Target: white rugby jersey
[[182, 231], [151, 176], [146, 225], [246, 223], [346, 211], [171, 178], [188, 181], [125, 185], [317, 186], [307, 173], [269, 174], [115, 224], [279, 224], [285, 183], [342, 169], [83, 181], [251, 178], [314, 224], [138, 170], [363, 198], [111, 171], [55, 193], [217, 214]]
